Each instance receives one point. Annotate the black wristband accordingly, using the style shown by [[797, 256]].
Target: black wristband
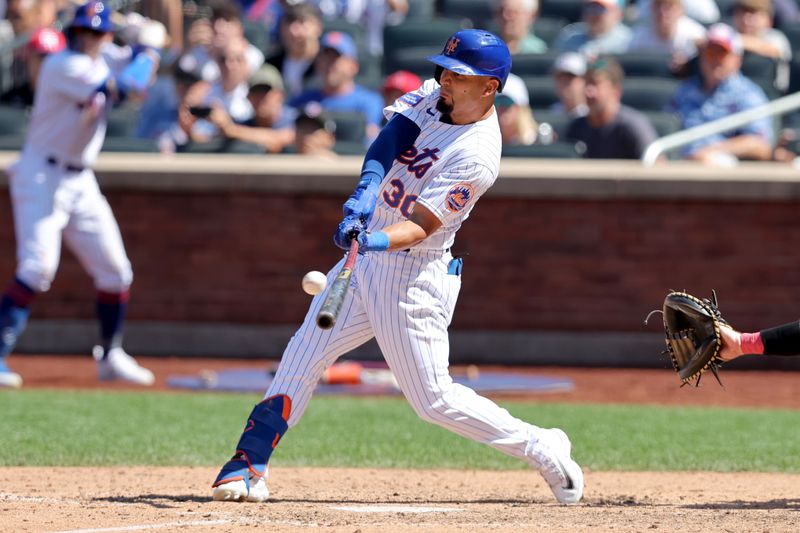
[[782, 340]]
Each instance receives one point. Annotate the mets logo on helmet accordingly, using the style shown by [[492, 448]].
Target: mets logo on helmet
[[459, 196], [451, 45]]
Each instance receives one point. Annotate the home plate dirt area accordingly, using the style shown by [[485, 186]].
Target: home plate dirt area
[[366, 500], [93, 499]]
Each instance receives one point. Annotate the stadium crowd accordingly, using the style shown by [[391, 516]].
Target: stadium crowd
[[593, 78]]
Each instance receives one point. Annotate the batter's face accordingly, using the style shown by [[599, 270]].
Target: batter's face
[[465, 99]]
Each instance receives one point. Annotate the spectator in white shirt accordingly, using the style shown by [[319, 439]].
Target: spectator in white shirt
[[670, 31]]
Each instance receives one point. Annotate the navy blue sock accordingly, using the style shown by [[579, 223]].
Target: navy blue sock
[[13, 315], [111, 309]]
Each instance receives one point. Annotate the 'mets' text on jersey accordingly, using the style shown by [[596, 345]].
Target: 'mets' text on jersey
[[447, 170]]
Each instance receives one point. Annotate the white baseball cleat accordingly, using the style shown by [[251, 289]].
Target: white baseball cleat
[[120, 365], [9, 379], [550, 455], [237, 491]]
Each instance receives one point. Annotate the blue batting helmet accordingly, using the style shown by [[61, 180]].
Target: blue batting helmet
[[475, 53], [93, 15]]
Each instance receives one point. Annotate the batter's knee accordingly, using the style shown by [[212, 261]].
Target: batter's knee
[[36, 276], [116, 279], [432, 407]]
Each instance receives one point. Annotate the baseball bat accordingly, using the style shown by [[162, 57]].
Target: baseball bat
[[326, 318]]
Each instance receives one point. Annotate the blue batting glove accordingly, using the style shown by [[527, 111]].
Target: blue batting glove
[[361, 203], [373, 242], [347, 230]]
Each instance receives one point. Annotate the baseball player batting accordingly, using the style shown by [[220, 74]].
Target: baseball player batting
[[54, 192], [420, 180]]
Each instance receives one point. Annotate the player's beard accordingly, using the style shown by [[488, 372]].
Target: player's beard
[[443, 107]]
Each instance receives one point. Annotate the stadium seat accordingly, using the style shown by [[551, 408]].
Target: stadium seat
[[648, 94], [557, 150], [664, 123], [350, 126], [257, 35], [122, 121], [558, 120], [533, 64], [349, 148], [645, 64], [541, 92], [792, 32], [725, 8], [477, 11], [420, 10], [548, 28], [433, 34], [12, 142], [412, 58], [13, 120], [129, 144], [569, 10], [760, 69]]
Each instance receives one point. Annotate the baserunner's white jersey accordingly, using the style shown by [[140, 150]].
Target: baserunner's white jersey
[[447, 170], [68, 121]]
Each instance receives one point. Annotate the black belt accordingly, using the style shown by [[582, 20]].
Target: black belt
[[51, 160]]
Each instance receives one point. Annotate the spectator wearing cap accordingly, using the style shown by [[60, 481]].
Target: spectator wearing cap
[[569, 70], [668, 30], [600, 31], [43, 42], [300, 32], [717, 91], [337, 67], [517, 124], [610, 130], [515, 19], [397, 84], [315, 134], [272, 124], [753, 20]]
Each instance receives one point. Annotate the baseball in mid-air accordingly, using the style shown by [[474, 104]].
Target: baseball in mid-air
[[314, 282]]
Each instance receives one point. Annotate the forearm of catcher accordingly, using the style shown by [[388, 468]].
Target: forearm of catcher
[[782, 340]]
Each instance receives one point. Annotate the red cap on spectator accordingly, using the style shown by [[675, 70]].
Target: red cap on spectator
[[47, 41], [402, 80]]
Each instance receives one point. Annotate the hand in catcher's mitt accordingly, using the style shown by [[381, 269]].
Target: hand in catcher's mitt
[[693, 335]]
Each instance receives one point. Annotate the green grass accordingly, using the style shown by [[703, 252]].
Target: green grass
[[70, 428]]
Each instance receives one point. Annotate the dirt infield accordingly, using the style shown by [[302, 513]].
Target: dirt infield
[[382, 501], [367, 500]]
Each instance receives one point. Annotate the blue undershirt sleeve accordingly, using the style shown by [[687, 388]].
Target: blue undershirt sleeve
[[394, 139]]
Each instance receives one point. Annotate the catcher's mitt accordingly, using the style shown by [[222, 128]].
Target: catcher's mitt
[[693, 336]]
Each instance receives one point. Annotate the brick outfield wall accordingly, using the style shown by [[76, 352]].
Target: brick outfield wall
[[533, 264]]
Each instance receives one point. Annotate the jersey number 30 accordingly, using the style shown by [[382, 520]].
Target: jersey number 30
[[397, 198]]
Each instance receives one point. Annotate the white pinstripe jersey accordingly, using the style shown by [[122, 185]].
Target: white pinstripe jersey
[[68, 120], [447, 170]]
